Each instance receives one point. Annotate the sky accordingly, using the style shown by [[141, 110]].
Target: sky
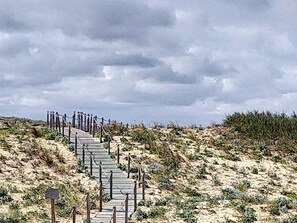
[[190, 61]]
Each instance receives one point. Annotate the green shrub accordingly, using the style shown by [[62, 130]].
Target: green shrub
[[4, 196], [156, 212]]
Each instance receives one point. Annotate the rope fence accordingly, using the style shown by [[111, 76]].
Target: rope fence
[[92, 124]]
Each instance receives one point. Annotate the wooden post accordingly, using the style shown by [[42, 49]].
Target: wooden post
[[129, 165], [118, 155], [126, 208], [74, 215], [91, 125], [108, 145], [88, 123], [75, 144], [85, 121], [101, 133], [47, 119], [143, 186], [69, 131], [82, 123], [65, 118], [100, 196], [53, 211], [56, 119], [73, 120], [63, 126], [135, 195], [108, 121], [127, 126], [78, 120], [91, 163], [50, 120], [100, 171], [94, 127], [88, 208], [83, 154], [110, 188], [114, 215], [139, 175], [59, 124]]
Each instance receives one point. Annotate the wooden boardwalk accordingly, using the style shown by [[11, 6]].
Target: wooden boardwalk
[[121, 184]]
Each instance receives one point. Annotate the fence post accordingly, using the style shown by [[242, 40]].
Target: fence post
[[65, 118], [135, 195], [83, 154], [74, 215], [73, 120], [50, 119], [94, 127], [47, 119], [88, 123], [91, 163], [78, 120], [139, 175], [110, 188], [100, 196], [118, 154], [75, 144], [69, 131], [114, 215], [88, 208], [101, 133], [126, 208], [63, 126], [143, 185], [59, 124], [129, 165], [108, 145], [57, 117], [100, 171], [85, 121], [53, 211], [82, 119], [127, 126], [108, 121]]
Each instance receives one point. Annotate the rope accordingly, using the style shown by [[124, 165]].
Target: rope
[[82, 203]]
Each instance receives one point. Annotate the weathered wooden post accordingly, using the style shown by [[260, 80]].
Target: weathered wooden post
[[108, 121], [108, 145], [74, 215], [75, 144], [83, 154], [47, 118], [91, 124], [139, 175], [101, 133], [100, 196], [118, 154], [88, 123], [127, 125], [73, 120], [100, 171], [114, 215], [129, 165], [63, 126], [143, 185], [50, 119], [78, 120], [53, 113], [57, 118], [91, 163], [135, 195], [94, 127], [59, 124], [69, 130], [126, 208], [88, 208], [52, 194], [82, 119], [110, 188], [85, 121]]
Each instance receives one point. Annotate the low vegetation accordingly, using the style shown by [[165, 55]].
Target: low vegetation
[[33, 158]]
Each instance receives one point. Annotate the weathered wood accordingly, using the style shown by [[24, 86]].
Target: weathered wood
[[101, 133], [57, 117], [111, 184], [114, 214], [126, 208], [100, 195], [108, 145], [118, 154], [74, 215], [88, 208], [73, 120], [143, 185], [47, 118], [69, 130], [53, 211], [75, 144], [129, 166], [100, 171], [88, 123], [135, 195], [91, 164], [83, 155]]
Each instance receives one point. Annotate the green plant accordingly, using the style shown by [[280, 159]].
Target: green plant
[[4, 196], [155, 212]]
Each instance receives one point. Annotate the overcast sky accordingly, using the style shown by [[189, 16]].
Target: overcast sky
[[190, 61]]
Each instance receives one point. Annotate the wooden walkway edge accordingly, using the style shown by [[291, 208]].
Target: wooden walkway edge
[[122, 187]]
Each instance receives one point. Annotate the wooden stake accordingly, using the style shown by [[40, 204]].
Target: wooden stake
[[110, 188], [75, 144], [100, 196], [114, 215], [74, 215], [53, 211], [91, 164], [88, 208], [118, 155], [135, 195], [126, 208], [129, 165]]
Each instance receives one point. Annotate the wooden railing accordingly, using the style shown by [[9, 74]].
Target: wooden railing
[[91, 124]]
